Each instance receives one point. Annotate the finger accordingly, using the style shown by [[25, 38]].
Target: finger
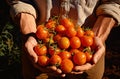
[[100, 50], [85, 67], [78, 72]]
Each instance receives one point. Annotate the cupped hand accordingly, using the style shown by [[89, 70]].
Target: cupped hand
[[97, 55], [50, 70]]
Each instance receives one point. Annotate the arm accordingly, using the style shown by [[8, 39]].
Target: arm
[[103, 26]]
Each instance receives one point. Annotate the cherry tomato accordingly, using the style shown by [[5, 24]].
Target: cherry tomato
[[43, 60], [41, 32], [79, 58], [40, 49]]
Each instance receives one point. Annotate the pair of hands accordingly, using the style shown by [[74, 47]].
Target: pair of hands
[[52, 70]]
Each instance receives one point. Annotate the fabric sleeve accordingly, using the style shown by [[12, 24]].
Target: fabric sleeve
[[111, 8], [22, 7]]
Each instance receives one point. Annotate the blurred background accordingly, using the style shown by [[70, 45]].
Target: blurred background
[[10, 49]]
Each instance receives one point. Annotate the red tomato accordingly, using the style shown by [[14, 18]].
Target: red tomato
[[40, 49], [53, 51], [41, 32], [66, 22], [60, 29]]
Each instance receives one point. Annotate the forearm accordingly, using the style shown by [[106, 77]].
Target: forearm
[[27, 23], [103, 26]]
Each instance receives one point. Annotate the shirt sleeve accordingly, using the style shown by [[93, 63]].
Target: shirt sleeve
[[110, 7], [22, 7]]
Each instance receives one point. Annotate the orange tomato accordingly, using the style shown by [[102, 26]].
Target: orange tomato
[[66, 22], [66, 65], [79, 58], [74, 51], [71, 32], [75, 42], [65, 54], [40, 49], [41, 32], [52, 50], [80, 32], [88, 56], [86, 40], [55, 60], [57, 37], [60, 29], [89, 33], [50, 24], [64, 43], [43, 60]]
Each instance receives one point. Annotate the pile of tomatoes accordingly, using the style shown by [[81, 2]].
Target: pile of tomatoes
[[63, 44]]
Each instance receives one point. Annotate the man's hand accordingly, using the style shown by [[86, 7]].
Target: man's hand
[[100, 51], [50, 70]]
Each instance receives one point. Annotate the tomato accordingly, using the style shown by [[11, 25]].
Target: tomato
[[66, 22], [64, 43], [75, 42], [41, 32], [79, 58], [57, 37], [74, 51], [43, 60], [50, 24], [60, 29], [66, 65], [88, 56], [65, 54], [86, 40], [80, 32], [89, 33], [40, 49], [52, 50], [55, 60], [71, 32]]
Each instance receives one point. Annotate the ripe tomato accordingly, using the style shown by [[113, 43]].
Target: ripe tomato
[[41, 32], [88, 56], [79, 58], [71, 32], [43, 60], [86, 40], [66, 22], [50, 24], [64, 43], [55, 60], [60, 29], [75, 42], [74, 51], [80, 32], [40, 49], [89, 33], [65, 54], [66, 65], [53, 50], [57, 37]]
